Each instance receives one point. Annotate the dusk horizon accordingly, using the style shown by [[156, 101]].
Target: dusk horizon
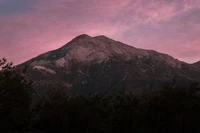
[[84, 34], [99, 66], [32, 27]]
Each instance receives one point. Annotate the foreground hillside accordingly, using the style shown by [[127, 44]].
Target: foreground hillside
[[169, 110]]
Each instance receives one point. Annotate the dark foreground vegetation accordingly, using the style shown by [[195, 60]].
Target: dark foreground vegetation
[[170, 110]]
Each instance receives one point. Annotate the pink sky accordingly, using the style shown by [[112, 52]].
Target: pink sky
[[31, 27]]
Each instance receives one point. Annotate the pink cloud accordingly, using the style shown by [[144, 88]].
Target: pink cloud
[[162, 25]]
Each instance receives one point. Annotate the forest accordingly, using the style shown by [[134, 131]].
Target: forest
[[170, 109]]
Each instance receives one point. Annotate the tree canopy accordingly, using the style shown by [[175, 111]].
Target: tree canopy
[[15, 98]]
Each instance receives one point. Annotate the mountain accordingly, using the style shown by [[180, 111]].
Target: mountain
[[98, 64], [197, 64]]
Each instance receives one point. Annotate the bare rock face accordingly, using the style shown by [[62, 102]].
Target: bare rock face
[[98, 64]]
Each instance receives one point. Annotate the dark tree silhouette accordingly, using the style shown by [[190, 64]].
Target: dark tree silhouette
[[15, 91], [171, 109]]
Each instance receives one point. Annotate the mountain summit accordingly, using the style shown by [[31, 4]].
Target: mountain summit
[[96, 64], [84, 48]]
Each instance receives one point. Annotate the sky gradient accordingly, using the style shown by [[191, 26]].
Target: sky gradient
[[31, 27]]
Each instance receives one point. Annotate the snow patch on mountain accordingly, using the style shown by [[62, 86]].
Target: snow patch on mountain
[[39, 68]]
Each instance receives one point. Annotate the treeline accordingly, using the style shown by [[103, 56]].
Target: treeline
[[166, 111]]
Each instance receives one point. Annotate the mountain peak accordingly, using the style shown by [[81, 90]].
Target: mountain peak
[[85, 48], [100, 62], [82, 36], [101, 36]]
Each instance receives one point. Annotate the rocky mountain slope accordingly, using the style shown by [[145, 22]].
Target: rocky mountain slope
[[97, 64]]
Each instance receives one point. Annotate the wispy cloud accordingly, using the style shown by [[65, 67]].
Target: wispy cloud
[[36, 26]]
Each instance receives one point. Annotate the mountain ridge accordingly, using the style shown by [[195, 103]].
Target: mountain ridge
[[85, 36], [97, 64]]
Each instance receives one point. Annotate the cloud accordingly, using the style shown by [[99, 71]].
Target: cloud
[[34, 27], [8, 7]]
